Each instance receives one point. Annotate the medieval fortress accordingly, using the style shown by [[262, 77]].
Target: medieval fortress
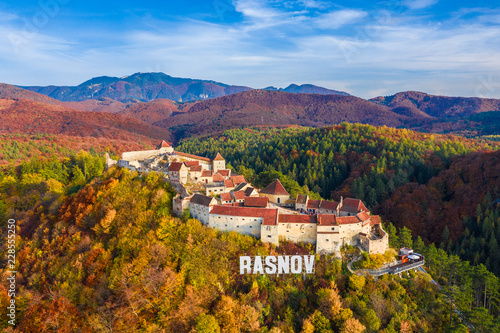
[[226, 201]]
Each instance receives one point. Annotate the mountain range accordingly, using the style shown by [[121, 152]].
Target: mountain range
[[145, 87], [144, 104]]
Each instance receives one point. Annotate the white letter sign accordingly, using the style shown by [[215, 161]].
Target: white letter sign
[[277, 264]]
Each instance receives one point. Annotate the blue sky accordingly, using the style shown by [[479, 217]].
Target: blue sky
[[363, 47]]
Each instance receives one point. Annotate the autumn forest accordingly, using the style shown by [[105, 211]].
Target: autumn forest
[[99, 250]]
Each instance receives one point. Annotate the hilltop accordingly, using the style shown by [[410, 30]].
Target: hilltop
[[8, 91], [28, 117], [418, 103], [258, 107], [307, 89]]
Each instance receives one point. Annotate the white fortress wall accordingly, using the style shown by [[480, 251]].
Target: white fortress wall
[[328, 242], [244, 225], [269, 234], [298, 232], [140, 155]]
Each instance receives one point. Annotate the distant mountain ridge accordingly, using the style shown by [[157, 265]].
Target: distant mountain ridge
[[414, 102], [307, 89], [145, 87], [142, 87]]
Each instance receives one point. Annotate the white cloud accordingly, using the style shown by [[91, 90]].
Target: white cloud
[[419, 4], [313, 4], [337, 19], [6, 17], [259, 15]]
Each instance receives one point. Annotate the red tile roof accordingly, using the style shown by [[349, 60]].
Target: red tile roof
[[301, 199], [226, 197], [219, 157], [238, 180], [192, 156], [175, 166], [330, 205], [256, 201], [269, 215], [228, 183], [313, 204], [164, 144], [192, 163], [326, 219], [297, 218], [363, 216], [353, 205], [225, 172], [347, 220], [275, 188], [239, 195], [375, 219], [197, 168], [206, 173], [218, 178], [330, 219]]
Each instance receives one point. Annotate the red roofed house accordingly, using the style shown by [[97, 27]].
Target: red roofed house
[[179, 156], [226, 173], [206, 176], [195, 172], [350, 207], [178, 171], [218, 163], [301, 202], [165, 147], [238, 196], [226, 198], [275, 192]]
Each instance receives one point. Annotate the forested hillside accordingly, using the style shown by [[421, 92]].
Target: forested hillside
[[422, 181], [99, 252], [18, 148]]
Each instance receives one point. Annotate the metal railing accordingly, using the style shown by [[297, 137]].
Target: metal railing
[[389, 268], [407, 267]]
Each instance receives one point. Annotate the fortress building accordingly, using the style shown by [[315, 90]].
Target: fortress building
[[349, 224], [226, 201]]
